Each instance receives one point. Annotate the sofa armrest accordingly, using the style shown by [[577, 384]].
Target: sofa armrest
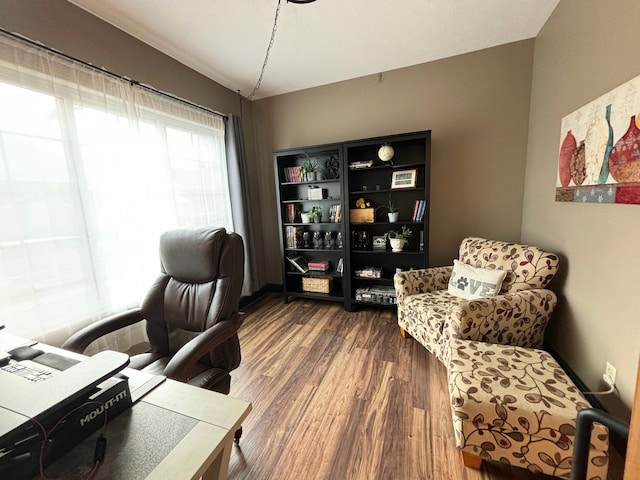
[[80, 340], [425, 280], [518, 318], [182, 363]]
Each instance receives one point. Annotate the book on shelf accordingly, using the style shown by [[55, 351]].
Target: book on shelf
[[318, 265], [335, 213], [293, 174], [300, 263], [361, 164], [340, 266], [418, 210], [292, 212], [293, 237]]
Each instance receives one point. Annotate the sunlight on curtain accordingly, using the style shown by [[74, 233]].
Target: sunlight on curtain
[[92, 171]]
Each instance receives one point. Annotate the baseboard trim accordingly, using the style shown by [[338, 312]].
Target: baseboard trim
[[255, 296]]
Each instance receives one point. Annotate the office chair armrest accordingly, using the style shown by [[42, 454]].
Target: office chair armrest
[[182, 363], [80, 340]]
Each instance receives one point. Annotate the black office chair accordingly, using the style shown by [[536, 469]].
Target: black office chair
[[190, 311]]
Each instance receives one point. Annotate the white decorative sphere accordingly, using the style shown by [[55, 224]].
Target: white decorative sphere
[[385, 153]]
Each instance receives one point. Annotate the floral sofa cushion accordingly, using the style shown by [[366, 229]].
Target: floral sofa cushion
[[517, 405], [527, 266]]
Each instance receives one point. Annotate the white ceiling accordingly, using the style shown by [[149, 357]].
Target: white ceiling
[[318, 43]]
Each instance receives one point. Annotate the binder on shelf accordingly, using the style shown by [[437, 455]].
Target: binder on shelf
[[300, 263], [416, 205]]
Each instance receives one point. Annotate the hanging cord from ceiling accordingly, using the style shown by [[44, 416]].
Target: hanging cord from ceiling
[[266, 57]]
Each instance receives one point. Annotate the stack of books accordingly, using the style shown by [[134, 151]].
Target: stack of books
[[291, 212], [294, 237], [368, 272], [418, 210], [376, 294], [293, 174], [318, 265], [335, 213]]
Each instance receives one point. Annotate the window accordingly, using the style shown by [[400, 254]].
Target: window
[[92, 171]]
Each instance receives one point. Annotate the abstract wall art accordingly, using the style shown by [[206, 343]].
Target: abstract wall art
[[599, 155]]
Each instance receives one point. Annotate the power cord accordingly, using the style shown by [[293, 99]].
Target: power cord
[[101, 441], [609, 382]]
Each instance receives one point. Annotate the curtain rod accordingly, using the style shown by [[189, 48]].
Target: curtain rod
[[104, 70]]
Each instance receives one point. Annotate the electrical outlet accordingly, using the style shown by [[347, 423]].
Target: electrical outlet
[[610, 372]]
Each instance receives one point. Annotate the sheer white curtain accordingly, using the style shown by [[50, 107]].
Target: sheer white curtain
[[92, 171]]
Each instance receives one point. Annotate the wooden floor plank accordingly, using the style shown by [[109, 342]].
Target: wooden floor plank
[[343, 396]]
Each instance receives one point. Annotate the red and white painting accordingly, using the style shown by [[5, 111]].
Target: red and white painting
[[599, 155]]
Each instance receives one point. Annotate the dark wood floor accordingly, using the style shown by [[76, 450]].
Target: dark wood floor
[[341, 395]]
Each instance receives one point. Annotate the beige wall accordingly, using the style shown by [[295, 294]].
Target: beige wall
[[477, 106], [587, 48], [69, 29]]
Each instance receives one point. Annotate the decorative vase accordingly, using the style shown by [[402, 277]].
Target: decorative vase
[[305, 218], [317, 240], [393, 216], [624, 160], [578, 168], [318, 175], [306, 239], [339, 240], [317, 218], [564, 158], [604, 170], [397, 244], [328, 240]]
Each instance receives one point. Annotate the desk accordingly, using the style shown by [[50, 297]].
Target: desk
[[176, 431]]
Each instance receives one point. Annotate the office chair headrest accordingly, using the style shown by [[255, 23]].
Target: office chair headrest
[[192, 254]]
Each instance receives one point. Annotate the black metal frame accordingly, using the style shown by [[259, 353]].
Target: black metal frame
[[584, 421]]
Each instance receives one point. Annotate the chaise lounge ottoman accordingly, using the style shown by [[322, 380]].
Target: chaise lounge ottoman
[[517, 406]]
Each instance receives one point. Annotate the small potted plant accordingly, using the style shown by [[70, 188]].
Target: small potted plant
[[316, 214], [397, 239], [311, 169], [304, 216], [392, 211]]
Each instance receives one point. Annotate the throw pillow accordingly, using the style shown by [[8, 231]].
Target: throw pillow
[[472, 282]]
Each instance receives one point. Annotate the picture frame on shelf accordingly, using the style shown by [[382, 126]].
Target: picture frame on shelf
[[379, 242], [404, 178]]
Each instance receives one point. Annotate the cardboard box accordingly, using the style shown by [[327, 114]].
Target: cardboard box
[[361, 215], [316, 193]]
